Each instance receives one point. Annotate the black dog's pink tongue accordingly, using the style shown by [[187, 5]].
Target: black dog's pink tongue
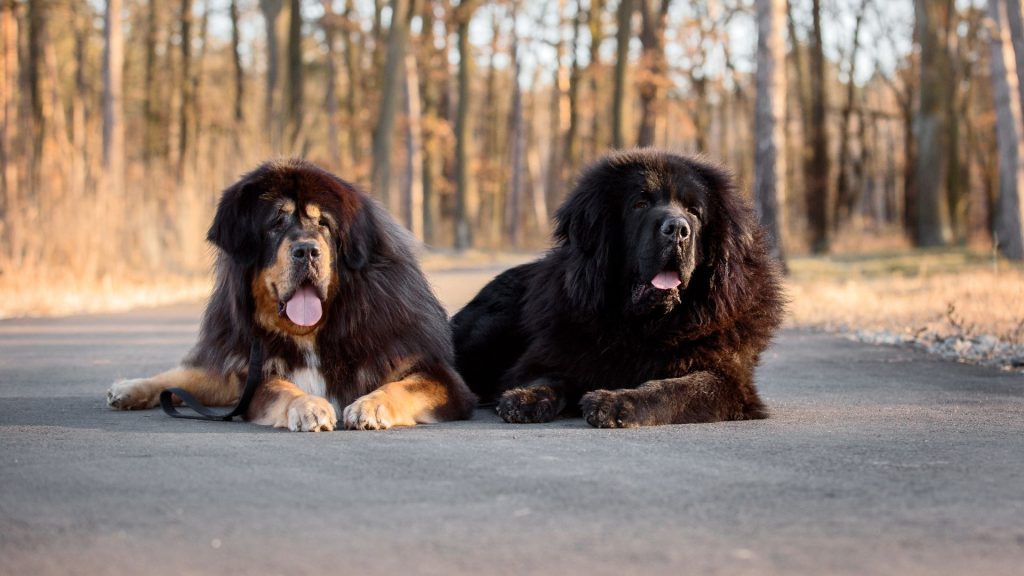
[[304, 307], [666, 280]]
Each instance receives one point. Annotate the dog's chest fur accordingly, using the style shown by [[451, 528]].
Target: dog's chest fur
[[309, 378]]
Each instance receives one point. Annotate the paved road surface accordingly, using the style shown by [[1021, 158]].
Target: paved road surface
[[876, 460]]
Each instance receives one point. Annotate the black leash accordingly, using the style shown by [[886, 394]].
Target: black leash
[[254, 379]]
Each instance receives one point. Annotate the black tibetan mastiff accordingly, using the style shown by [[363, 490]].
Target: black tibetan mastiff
[[653, 307], [329, 283]]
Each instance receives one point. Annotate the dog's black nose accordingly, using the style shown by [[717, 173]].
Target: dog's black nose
[[676, 227], [303, 251]]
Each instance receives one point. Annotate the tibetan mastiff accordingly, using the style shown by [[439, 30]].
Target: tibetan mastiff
[[329, 283], [652, 307]]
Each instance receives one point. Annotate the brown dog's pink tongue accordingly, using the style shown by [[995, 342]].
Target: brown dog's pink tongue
[[304, 307], [666, 280]]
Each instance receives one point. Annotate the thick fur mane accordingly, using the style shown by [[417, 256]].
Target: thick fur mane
[[382, 314]]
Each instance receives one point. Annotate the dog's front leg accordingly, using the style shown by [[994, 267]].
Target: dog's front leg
[[696, 397], [281, 404]]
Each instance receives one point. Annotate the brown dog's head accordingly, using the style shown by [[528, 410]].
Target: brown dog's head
[[295, 229]]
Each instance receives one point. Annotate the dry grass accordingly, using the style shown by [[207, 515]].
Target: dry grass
[[957, 293], [59, 293]]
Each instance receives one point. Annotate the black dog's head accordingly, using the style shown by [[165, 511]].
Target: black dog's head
[[291, 227], [646, 230]]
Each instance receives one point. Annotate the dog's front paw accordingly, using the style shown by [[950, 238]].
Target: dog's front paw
[[530, 405], [311, 413], [375, 411], [610, 409], [135, 394]]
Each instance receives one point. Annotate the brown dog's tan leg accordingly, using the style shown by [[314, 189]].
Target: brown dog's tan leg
[[140, 393], [281, 404], [417, 399]]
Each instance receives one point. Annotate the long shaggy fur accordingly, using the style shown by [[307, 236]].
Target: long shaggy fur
[[381, 323], [583, 326]]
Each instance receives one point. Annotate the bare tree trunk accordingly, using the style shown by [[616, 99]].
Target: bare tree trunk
[[554, 183], [653, 68], [597, 138], [113, 119], [818, 169], [622, 37], [1016, 28], [464, 201], [187, 104], [37, 39], [329, 23], [9, 205], [931, 130], [80, 152], [296, 92], [1009, 134], [353, 102], [394, 74], [572, 153], [845, 198], [197, 88], [517, 162], [236, 61], [151, 110], [413, 146], [769, 128], [271, 11], [434, 67]]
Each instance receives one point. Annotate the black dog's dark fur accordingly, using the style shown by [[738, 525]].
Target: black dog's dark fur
[[584, 325]]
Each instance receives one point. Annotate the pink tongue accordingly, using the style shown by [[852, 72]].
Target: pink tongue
[[304, 307], [666, 280]]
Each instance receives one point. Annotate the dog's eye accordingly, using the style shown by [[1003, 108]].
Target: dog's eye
[[323, 223], [281, 221], [641, 204]]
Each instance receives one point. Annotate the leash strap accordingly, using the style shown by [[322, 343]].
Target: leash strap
[[252, 382]]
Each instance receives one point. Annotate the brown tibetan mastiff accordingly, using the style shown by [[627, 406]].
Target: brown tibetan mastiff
[[653, 307], [329, 283]]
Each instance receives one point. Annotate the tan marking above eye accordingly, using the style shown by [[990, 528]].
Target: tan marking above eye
[[287, 206], [313, 211]]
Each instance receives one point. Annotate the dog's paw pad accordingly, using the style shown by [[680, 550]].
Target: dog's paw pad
[[608, 409], [311, 414], [131, 395]]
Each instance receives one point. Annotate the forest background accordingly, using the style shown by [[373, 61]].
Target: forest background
[[879, 140]]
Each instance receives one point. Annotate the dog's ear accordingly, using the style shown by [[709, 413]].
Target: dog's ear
[[730, 240], [582, 233], [236, 227], [358, 242]]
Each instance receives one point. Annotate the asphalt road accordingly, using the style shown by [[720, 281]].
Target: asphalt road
[[876, 460]]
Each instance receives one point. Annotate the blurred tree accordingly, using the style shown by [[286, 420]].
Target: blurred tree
[[9, 205], [769, 128], [186, 103], [931, 126], [236, 63], [846, 196], [464, 201], [817, 170], [517, 134], [329, 23], [296, 80], [1009, 134], [653, 74], [113, 120], [153, 111], [271, 11], [394, 76], [623, 35]]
